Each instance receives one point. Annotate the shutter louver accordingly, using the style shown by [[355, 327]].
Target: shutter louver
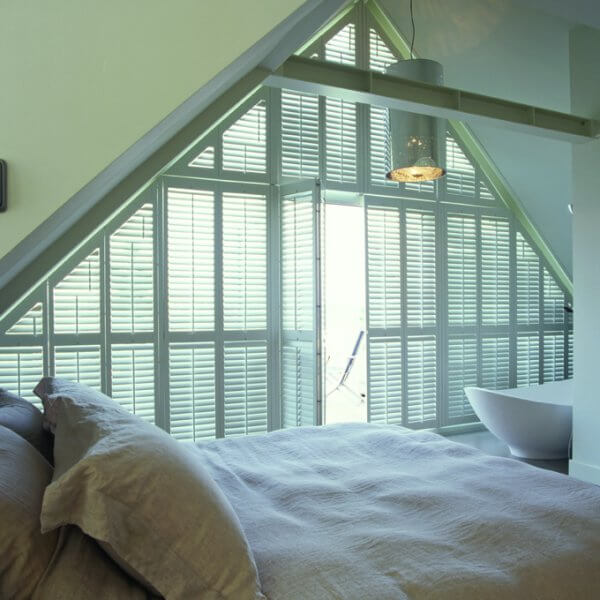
[[298, 383], [460, 177], [245, 388], [379, 158], [192, 391], [528, 283], [190, 226], [420, 269], [31, 323], [485, 194], [495, 363], [554, 301], [462, 270], [380, 56], [20, 370], [384, 267], [132, 369], [244, 261], [341, 48], [528, 359], [495, 267], [77, 298], [421, 380], [340, 140], [554, 356], [570, 355], [299, 135], [79, 363], [385, 380], [462, 372], [131, 273], [245, 142], [204, 160]]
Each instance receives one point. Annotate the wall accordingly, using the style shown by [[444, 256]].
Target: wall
[[83, 80], [585, 82], [502, 48]]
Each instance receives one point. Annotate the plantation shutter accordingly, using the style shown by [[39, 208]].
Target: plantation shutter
[[340, 140], [528, 283], [31, 323], [300, 293], [245, 142], [495, 268], [21, 368], [528, 359], [460, 176]]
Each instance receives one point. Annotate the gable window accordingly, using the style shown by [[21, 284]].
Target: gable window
[[202, 305]]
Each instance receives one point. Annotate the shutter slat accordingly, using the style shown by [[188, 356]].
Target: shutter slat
[[462, 372], [421, 380], [79, 363], [495, 269], [554, 356], [31, 323], [204, 160], [341, 48], [495, 362], [385, 380], [528, 283], [245, 142], [380, 55], [20, 370], [528, 359], [340, 140], [460, 172]]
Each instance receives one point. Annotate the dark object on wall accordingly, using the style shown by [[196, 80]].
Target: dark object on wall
[[2, 185], [568, 308]]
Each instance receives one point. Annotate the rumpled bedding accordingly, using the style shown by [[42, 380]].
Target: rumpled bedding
[[361, 512]]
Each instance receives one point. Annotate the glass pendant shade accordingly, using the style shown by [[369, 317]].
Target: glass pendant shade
[[416, 151]]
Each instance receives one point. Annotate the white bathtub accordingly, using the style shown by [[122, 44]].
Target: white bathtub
[[534, 421]]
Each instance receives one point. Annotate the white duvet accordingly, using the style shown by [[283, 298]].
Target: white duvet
[[375, 512]]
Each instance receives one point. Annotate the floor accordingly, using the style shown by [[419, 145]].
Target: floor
[[490, 444]]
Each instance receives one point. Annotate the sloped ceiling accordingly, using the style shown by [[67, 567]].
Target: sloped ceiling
[[511, 50]]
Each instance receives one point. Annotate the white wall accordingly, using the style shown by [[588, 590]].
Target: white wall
[[82, 80], [503, 48], [585, 78]]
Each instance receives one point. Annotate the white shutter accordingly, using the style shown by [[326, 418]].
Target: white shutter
[[298, 383], [554, 356], [245, 142], [20, 370], [462, 372], [380, 56], [528, 283], [570, 355], [379, 157], [299, 372], [79, 363], [132, 371], [554, 301], [244, 261], [299, 135], [131, 273], [340, 140], [384, 267], [420, 269], [77, 298], [528, 359], [204, 160], [31, 323], [245, 388], [484, 192], [341, 48], [191, 255], [421, 380], [192, 391], [462, 269], [385, 380], [460, 176], [495, 268], [495, 356]]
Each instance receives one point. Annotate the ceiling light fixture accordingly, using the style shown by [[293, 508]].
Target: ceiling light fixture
[[416, 150]]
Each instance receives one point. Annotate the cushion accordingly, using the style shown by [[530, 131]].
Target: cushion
[[63, 564], [25, 419], [24, 551], [130, 485]]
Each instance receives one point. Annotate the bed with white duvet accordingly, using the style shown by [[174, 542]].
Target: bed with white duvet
[[364, 511]]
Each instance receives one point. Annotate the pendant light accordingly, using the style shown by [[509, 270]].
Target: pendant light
[[416, 150]]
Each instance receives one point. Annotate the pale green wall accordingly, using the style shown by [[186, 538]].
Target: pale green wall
[[585, 82], [82, 80]]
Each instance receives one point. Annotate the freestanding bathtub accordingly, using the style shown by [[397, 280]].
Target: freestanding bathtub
[[534, 421]]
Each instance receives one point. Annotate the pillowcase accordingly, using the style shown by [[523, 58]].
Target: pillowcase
[[24, 551], [63, 564], [25, 419], [130, 485]]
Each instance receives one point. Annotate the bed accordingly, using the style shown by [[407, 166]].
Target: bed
[[364, 511], [352, 512]]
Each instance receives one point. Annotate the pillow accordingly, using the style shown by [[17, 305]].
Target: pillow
[[24, 551], [25, 419], [63, 564], [129, 484]]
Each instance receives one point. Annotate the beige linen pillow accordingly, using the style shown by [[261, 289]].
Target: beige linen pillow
[[132, 486], [24, 551]]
